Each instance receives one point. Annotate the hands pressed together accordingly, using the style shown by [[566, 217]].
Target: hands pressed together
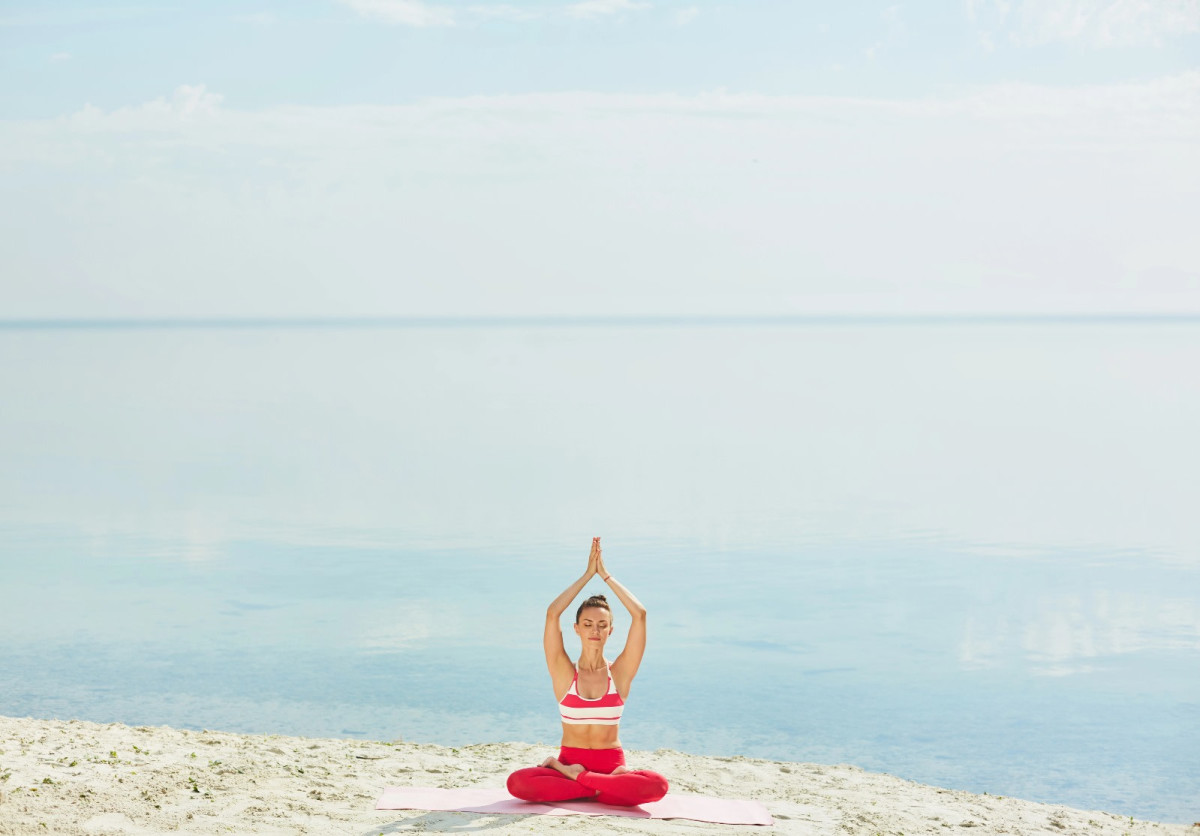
[[596, 561]]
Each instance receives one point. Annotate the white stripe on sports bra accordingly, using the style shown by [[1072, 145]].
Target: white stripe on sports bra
[[580, 711]]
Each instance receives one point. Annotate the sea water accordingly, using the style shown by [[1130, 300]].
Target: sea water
[[962, 553]]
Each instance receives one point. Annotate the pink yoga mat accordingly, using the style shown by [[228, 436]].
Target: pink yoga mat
[[487, 800]]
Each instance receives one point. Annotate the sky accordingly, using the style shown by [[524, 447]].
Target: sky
[[600, 157]]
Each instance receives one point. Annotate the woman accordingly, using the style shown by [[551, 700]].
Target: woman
[[591, 696]]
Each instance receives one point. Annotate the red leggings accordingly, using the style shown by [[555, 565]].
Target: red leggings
[[541, 783]]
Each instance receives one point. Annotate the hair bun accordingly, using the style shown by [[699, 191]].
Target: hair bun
[[594, 601]]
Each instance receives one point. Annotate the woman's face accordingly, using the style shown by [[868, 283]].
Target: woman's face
[[594, 626]]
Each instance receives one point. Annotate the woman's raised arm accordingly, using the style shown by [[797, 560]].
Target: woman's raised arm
[[557, 661], [625, 667]]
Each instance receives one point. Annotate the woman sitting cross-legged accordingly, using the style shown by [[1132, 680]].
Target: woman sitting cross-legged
[[591, 763]]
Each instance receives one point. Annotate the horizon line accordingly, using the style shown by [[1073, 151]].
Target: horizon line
[[584, 320]]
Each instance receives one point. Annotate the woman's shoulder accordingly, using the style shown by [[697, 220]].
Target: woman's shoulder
[[621, 677]]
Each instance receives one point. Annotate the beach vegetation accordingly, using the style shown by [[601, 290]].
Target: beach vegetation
[[47, 781], [73, 763]]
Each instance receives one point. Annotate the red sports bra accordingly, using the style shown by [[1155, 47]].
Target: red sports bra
[[578, 711]]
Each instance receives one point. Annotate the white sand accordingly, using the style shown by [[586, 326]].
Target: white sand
[[83, 778]]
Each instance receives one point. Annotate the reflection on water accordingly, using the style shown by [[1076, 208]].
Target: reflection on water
[[962, 555]]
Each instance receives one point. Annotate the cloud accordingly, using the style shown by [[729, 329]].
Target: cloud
[[1096, 24], [189, 101], [403, 12], [59, 57], [602, 8], [1003, 198], [685, 16], [188, 104]]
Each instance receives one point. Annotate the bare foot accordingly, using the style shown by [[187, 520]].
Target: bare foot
[[621, 770], [572, 771]]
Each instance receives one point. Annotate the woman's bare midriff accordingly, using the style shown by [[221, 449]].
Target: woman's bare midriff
[[591, 737]]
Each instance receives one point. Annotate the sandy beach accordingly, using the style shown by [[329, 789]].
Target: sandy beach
[[84, 778]]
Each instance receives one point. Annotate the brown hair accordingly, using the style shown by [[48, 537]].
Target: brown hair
[[595, 601]]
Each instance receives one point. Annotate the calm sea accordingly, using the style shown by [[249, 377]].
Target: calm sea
[[963, 553]]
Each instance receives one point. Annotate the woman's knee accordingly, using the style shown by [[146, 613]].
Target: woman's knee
[[656, 786], [519, 785]]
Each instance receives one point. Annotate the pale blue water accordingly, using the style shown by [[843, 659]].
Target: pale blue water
[[966, 554]]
